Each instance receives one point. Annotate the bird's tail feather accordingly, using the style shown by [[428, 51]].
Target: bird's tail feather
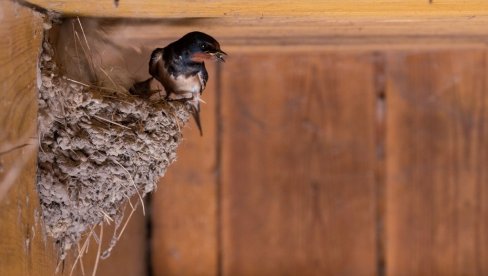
[[195, 111]]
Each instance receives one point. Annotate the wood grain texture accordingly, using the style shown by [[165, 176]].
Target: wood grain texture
[[184, 223], [298, 164], [247, 33], [437, 156], [25, 250], [239, 8]]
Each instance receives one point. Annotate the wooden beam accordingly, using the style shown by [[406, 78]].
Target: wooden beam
[[248, 33], [246, 8], [329, 23], [24, 250]]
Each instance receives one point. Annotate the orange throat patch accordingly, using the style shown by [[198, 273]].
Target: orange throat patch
[[201, 57]]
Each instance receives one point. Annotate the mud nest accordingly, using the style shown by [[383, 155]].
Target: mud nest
[[98, 150]]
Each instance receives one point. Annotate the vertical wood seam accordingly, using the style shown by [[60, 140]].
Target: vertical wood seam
[[149, 235], [218, 161], [479, 186], [379, 63]]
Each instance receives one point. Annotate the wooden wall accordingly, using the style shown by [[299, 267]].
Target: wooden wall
[[23, 248], [333, 162]]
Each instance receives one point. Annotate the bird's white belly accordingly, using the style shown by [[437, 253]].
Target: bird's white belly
[[185, 85]]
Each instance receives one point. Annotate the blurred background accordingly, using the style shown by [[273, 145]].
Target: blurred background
[[339, 139]]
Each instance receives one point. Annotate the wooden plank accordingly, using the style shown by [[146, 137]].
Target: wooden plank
[[239, 8], [184, 224], [24, 248], [247, 33], [298, 162], [437, 156]]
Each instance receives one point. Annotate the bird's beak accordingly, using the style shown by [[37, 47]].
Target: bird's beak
[[219, 55]]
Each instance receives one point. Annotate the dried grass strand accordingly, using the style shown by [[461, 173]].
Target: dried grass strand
[[111, 80], [83, 248], [99, 250], [133, 184], [81, 260], [116, 236], [83, 31], [111, 122]]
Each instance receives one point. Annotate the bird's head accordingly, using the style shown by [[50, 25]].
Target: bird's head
[[201, 47]]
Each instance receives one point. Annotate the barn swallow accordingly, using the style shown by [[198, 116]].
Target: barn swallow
[[180, 68]]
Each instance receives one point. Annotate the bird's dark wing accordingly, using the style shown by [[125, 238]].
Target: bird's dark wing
[[203, 77], [156, 63]]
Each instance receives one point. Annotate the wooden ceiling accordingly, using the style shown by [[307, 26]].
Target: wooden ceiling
[[265, 8], [333, 23]]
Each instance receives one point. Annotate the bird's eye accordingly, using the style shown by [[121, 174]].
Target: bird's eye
[[203, 47]]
